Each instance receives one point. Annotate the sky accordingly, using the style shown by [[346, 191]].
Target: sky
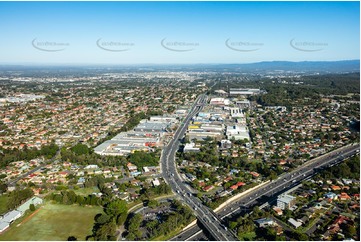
[[177, 32]]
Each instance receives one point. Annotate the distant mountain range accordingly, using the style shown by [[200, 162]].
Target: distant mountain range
[[264, 67], [303, 66]]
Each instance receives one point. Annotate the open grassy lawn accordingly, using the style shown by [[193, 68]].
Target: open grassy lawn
[[3, 201], [54, 222], [86, 191], [249, 236]]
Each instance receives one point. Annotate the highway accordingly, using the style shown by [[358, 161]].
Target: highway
[[271, 190], [205, 216], [291, 179]]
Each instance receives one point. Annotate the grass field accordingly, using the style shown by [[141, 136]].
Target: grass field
[[86, 191], [54, 222], [249, 236], [3, 201]]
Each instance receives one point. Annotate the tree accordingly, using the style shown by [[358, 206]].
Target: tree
[[349, 230], [72, 238], [133, 227], [116, 207], [80, 149], [272, 175], [80, 200], [105, 231], [32, 207], [152, 227], [300, 236], [121, 218], [153, 203], [3, 188], [141, 159], [102, 218], [16, 197]]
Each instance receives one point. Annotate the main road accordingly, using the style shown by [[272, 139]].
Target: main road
[[205, 216]]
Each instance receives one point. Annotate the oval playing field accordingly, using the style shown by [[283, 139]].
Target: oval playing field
[[54, 222]]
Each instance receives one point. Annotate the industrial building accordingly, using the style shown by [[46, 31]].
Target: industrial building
[[238, 132], [236, 113], [219, 101], [244, 91], [163, 119], [146, 135], [148, 126]]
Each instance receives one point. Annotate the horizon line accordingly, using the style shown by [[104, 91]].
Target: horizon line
[[165, 64]]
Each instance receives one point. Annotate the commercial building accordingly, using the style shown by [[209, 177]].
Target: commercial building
[[219, 101], [285, 201], [238, 132], [202, 135], [236, 113], [243, 103], [226, 144], [190, 148]]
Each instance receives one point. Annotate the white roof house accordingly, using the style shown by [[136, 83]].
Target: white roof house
[[294, 223], [156, 182]]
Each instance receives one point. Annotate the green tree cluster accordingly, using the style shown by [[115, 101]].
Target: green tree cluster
[[17, 197], [141, 159], [10, 155]]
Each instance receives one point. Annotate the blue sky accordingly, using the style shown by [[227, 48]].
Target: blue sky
[[257, 31]]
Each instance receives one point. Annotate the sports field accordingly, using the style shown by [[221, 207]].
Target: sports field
[[54, 222]]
